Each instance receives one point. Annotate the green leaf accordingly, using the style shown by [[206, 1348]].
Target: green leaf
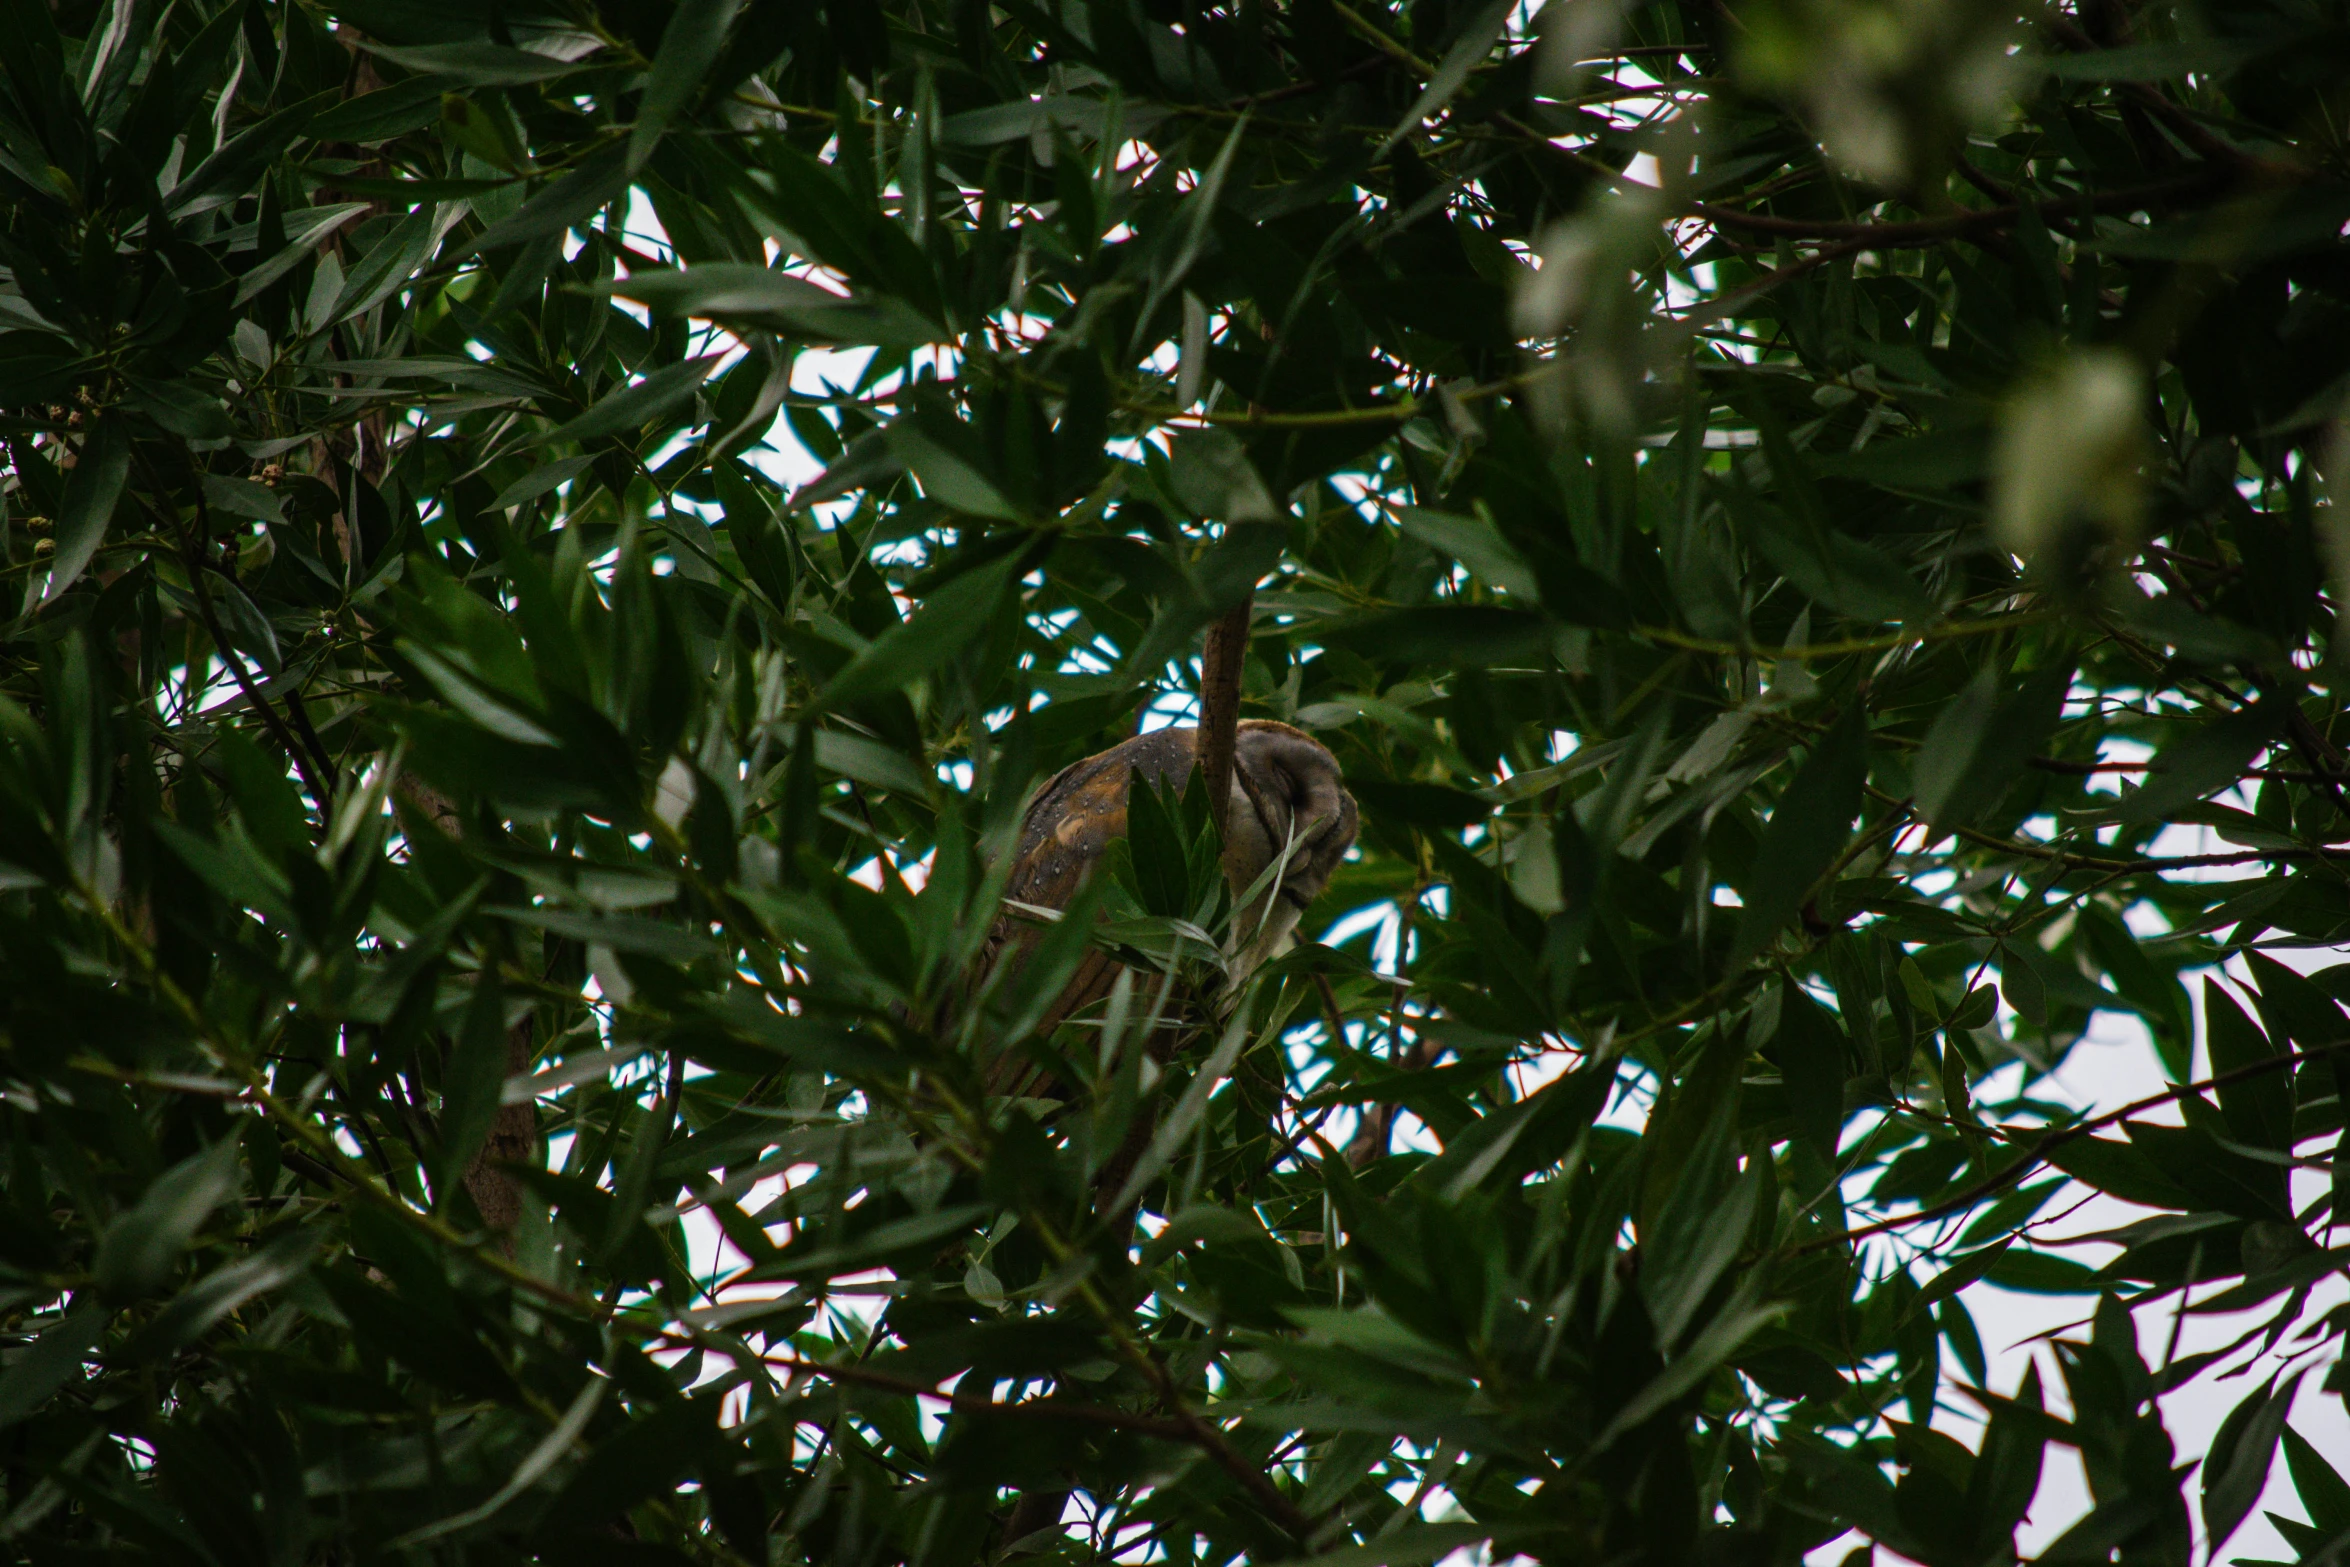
[[308, 228], [540, 479], [645, 1456], [550, 1450], [472, 1085], [2041, 1273], [476, 64], [1413, 1545], [2210, 756], [712, 699], [1825, 563], [50, 1361], [1476, 544], [1467, 637], [690, 44], [626, 412], [92, 491], [1173, 1132], [389, 265], [223, 176], [815, 1256], [179, 407], [2236, 1469], [1083, 119], [1467, 53], [195, 1310], [242, 498], [2216, 1176], [2007, 1216], [2005, 1476], [1980, 743], [946, 623], [570, 202], [2320, 1486], [741, 294], [1739, 1320], [2111, 1522], [1212, 475], [1963, 1271], [620, 932], [945, 476], [382, 114], [865, 761], [1811, 1054], [1807, 829], [2121, 1169], [143, 1245], [1420, 804], [248, 628], [2258, 1107], [1156, 852], [813, 203], [2149, 62]]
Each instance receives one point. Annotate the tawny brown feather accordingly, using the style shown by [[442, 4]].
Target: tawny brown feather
[[1288, 797]]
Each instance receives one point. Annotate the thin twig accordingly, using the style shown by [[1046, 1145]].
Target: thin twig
[[2037, 1155], [320, 784], [1926, 231]]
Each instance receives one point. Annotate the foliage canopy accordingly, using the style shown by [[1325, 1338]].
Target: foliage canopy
[[1803, 520]]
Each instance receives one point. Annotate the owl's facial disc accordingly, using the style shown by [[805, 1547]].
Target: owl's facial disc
[[1289, 800]]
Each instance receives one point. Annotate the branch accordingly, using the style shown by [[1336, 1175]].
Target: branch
[[2037, 1154], [1706, 310], [320, 783], [1927, 231], [317, 1145], [2182, 124], [1219, 701], [2135, 865], [1191, 1430]]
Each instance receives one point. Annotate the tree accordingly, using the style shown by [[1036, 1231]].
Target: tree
[[1803, 520]]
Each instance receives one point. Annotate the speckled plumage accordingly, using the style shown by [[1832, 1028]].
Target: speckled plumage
[[1285, 785]]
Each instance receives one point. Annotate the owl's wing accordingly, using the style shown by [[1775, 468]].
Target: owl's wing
[[1066, 834], [1068, 830], [1077, 816], [1074, 820], [1071, 822]]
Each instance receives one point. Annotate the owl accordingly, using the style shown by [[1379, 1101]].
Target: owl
[[1287, 797]]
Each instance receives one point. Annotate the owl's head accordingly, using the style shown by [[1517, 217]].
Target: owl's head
[[1289, 804]]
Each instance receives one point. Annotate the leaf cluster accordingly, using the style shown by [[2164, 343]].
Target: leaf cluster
[[546, 548]]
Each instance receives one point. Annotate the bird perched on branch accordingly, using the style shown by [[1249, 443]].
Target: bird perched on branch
[[1288, 803]]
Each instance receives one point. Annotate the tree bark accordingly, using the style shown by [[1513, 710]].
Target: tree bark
[[1221, 657]]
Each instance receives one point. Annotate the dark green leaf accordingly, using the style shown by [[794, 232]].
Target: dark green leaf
[[1807, 829], [738, 293], [92, 491], [627, 411], [50, 1361], [2236, 1469], [690, 45], [477, 64], [143, 1244], [945, 625]]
